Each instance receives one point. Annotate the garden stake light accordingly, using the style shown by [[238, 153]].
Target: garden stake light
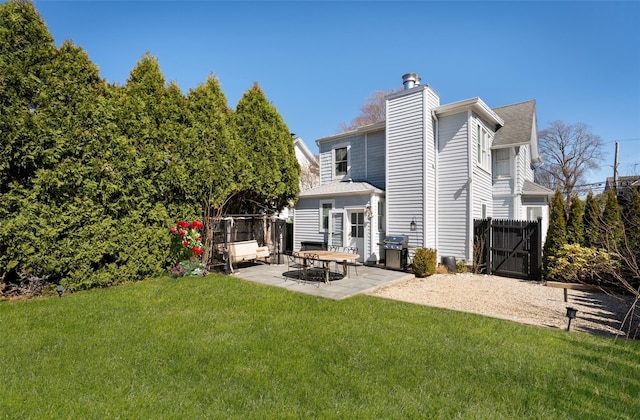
[[571, 314]]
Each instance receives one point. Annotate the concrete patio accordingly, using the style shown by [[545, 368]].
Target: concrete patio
[[366, 280]]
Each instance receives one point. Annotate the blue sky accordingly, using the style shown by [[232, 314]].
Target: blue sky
[[318, 61]]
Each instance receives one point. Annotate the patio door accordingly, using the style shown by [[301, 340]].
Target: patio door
[[355, 237], [336, 228]]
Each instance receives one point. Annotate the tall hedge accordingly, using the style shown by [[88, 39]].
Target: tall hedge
[[591, 222], [632, 224], [226, 165], [50, 116], [575, 222], [557, 232], [272, 179], [611, 227], [93, 175]]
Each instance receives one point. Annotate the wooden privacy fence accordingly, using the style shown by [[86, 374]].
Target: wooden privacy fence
[[508, 248]]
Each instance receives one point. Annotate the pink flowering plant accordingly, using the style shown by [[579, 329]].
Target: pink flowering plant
[[186, 247]]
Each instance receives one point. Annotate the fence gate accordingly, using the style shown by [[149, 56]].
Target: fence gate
[[509, 248]]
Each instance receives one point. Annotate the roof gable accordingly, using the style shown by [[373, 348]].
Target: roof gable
[[520, 127], [304, 151], [519, 123], [474, 104]]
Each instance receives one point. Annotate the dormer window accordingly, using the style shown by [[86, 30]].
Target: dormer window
[[340, 161]]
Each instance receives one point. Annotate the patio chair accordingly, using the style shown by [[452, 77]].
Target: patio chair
[[296, 263], [353, 250], [316, 269]]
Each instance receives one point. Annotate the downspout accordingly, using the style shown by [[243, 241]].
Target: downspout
[[517, 188], [367, 242], [468, 246], [436, 148]]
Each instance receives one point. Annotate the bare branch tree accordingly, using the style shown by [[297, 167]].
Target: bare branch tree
[[569, 152], [373, 111], [625, 274], [309, 176]]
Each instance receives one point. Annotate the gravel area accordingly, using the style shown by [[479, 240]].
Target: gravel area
[[516, 300]]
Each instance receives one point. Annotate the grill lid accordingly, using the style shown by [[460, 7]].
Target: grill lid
[[396, 241]]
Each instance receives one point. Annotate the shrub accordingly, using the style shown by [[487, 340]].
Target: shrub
[[424, 262], [461, 266], [577, 264]]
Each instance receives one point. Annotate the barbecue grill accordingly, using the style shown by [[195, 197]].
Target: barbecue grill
[[396, 252]]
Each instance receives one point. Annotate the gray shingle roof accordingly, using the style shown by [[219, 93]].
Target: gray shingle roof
[[518, 124], [341, 188]]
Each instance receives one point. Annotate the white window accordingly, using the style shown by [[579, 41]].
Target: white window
[[482, 146], [501, 163], [340, 161], [381, 215], [484, 211], [325, 207]]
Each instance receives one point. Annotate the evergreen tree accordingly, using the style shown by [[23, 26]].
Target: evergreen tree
[[48, 114], [591, 222], [557, 232], [274, 173], [26, 50], [151, 122], [575, 223], [632, 223], [611, 228], [93, 174], [223, 164]]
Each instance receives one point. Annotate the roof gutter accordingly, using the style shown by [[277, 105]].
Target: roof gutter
[[474, 104]]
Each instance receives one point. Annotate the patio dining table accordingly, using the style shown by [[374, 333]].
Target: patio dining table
[[327, 257]]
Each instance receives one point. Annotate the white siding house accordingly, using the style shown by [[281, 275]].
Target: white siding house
[[436, 166], [515, 153], [309, 167]]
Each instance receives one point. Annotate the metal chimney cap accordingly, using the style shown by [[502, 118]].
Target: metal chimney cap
[[410, 80]]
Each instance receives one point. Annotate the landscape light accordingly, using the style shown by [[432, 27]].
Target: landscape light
[[571, 314]]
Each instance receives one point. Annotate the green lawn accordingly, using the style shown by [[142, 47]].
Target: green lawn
[[220, 347]]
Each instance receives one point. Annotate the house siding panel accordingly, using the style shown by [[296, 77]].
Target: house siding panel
[[307, 218], [326, 162], [404, 164], [375, 159], [528, 169], [306, 226], [431, 203], [453, 186], [482, 193], [366, 158], [503, 207], [503, 186], [482, 178]]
